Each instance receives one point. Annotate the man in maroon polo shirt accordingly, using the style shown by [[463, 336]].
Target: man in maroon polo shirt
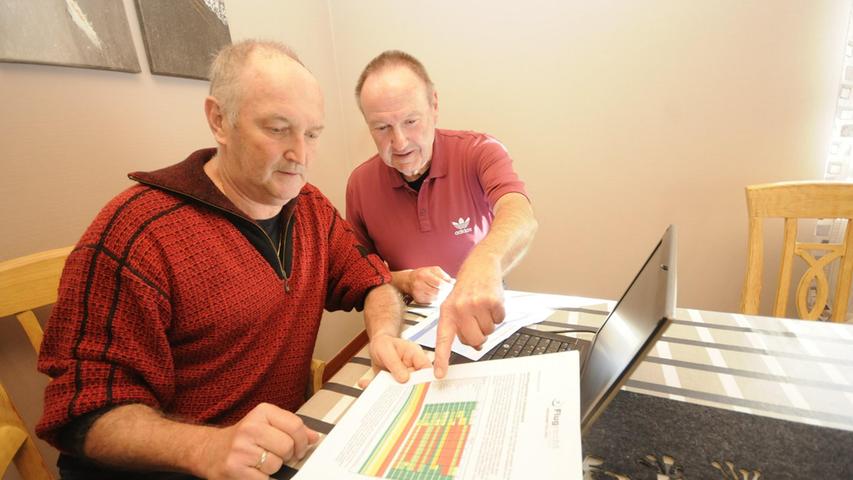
[[436, 204]]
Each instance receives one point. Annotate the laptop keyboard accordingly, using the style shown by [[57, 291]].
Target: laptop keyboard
[[522, 345]]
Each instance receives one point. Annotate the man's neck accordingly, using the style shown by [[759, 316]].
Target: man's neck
[[417, 174], [417, 182], [253, 209]]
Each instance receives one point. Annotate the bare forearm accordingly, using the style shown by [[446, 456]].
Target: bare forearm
[[383, 311], [138, 437], [510, 234]]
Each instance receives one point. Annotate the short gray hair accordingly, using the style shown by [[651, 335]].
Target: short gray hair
[[230, 62], [394, 58]]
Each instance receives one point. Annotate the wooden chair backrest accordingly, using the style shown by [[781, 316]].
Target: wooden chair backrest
[[792, 201], [26, 283]]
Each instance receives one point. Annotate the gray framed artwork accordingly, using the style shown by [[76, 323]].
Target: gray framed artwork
[[182, 36], [71, 33]]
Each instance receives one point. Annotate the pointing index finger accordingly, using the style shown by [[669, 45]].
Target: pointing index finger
[[445, 334]]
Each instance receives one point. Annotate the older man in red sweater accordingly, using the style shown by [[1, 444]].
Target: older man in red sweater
[[187, 313]]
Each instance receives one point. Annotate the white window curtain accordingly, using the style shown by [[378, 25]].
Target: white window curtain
[[839, 165]]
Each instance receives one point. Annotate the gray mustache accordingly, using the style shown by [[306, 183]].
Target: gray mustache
[[292, 168]]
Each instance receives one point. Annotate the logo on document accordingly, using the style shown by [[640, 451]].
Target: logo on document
[[552, 427], [555, 415], [461, 226]]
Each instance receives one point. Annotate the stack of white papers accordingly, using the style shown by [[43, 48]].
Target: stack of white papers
[[521, 310]]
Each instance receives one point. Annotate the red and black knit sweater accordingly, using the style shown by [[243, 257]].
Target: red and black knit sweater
[[165, 302]]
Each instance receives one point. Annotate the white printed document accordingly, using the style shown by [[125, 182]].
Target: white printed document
[[504, 419]]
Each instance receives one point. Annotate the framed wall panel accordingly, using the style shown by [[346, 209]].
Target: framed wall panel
[[72, 33], [181, 36]]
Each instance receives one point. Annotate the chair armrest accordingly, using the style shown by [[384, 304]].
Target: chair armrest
[[318, 367], [11, 439]]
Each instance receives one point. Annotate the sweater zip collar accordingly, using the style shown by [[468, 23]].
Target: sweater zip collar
[[187, 179], [285, 234]]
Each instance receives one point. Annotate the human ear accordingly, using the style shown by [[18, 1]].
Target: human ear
[[215, 119], [434, 104]]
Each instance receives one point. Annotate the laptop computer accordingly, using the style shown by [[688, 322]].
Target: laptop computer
[[631, 329]]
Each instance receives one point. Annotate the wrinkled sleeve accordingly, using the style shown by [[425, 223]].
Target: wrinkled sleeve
[[353, 269], [494, 170], [105, 343]]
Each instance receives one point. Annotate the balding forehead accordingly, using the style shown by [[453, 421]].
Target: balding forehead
[[394, 74], [393, 80], [263, 51], [280, 68], [266, 57]]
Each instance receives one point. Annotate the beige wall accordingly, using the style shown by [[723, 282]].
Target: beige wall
[[68, 137], [623, 117]]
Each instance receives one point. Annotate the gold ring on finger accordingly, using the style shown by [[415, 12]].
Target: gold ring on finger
[[262, 459]]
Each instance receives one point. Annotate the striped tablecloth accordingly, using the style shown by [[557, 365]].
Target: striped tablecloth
[[788, 369]]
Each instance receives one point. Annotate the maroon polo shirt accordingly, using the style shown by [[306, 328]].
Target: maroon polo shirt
[[452, 212]]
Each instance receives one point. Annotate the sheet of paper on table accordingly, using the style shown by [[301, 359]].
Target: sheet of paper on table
[[504, 419], [521, 310]]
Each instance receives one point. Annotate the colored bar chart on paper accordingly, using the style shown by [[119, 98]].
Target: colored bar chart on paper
[[424, 442], [503, 420]]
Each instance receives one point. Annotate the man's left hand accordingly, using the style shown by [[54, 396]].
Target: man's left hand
[[396, 355]]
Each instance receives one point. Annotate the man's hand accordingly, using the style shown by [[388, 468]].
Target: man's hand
[[238, 451], [382, 318], [422, 284], [471, 311], [396, 355], [137, 437]]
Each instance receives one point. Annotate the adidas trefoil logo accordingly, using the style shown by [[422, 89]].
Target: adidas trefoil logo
[[461, 226]]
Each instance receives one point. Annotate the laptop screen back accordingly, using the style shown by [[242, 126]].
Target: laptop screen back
[[631, 329]]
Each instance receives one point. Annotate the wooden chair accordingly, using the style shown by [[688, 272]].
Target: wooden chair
[[26, 283], [315, 383], [792, 201]]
